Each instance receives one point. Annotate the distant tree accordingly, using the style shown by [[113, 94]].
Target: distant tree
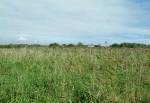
[[115, 45], [13, 46], [71, 45], [54, 45], [64, 45], [129, 45], [81, 45], [98, 46], [35, 45]]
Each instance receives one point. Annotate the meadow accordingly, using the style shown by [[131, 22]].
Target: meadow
[[74, 75]]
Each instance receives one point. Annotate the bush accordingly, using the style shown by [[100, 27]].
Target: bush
[[71, 45], [13, 46], [130, 45], [81, 45], [99, 46], [54, 45]]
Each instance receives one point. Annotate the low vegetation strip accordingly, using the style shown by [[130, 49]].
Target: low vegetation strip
[[115, 45], [74, 75]]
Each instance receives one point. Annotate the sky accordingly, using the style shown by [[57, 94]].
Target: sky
[[73, 21]]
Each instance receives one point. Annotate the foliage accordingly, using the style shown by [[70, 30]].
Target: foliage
[[99, 46], [54, 45], [81, 45], [130, 45], [70, 45]]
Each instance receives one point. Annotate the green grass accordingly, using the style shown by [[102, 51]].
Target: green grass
[[74, 75]]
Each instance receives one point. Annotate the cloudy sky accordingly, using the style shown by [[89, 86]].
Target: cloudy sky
[[72, 21]]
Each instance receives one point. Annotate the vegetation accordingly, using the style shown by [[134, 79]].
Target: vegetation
[[130, 45], [53, 45], [74, 75], [20, 45]]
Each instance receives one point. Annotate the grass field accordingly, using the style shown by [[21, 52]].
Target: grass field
[[74, 75]]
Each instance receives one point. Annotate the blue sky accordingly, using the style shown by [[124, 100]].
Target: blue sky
[[73, 21]]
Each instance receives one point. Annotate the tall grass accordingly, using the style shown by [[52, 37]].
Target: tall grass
[[74, 75]]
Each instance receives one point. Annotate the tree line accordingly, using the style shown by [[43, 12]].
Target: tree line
[[54, 45], [130, 45]]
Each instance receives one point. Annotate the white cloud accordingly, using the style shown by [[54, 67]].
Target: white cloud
[[72, 18], [22, 38]]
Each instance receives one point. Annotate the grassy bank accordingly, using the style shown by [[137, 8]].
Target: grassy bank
[[74, 75]]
